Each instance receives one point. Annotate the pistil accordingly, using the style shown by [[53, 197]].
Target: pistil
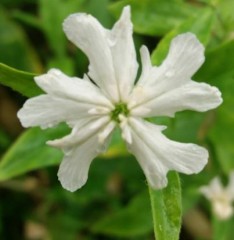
[[120, 108]]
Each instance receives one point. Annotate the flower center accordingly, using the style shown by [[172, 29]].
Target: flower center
[[120, 108]]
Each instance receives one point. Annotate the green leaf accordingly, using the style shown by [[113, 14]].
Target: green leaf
[[218, 66], [99, 9], [222, 229], [191, 121], [19, 81], [15, 48], [4, 140], [52, 15], [166, 209], [218, 70], [225, 11], [129, 221], [156, 17], [190, 185], [30, 152], [117, 146], [221, 135], [64, 225], [64, 63], [200, 25], [27, 18]]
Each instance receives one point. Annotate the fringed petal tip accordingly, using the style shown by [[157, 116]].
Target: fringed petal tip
[[190, 96], [74, 18], [70, 186], [157, 159], [218, 100], [74, 168], [20, 114], [185, 56], [190, 42], [45, 81], [36, 111], [126, 15], [201, 161]]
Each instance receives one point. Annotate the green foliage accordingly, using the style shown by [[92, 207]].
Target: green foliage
[[19, 81], [220, 72], [124, 223], [201, 26], [217, 67], [149, 15], [222, 228], [14, 46], [167, 224], [167, 209], [113, 204], [52, 13], [4, 140], [224, 9], [30, 152], [99, 9]]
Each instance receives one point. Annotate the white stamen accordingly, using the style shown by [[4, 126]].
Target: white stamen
[[105, 133], [101, 121], [126, 132], [99, 111]]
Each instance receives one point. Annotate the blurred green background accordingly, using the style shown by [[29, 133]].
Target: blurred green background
[[114, 204]]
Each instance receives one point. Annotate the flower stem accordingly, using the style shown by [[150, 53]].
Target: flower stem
[[167, 209]]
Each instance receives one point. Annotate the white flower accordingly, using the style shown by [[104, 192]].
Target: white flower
[[221, 197], [109, 97]]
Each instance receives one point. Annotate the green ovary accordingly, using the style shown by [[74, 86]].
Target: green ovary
[[120, 108]]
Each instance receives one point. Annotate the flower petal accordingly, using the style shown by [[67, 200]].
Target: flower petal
[[68, 100], [214, 190], [186, 55], [191, 96], [157, 154], [47, 111], [58, 84], [125, 129], [220, 197], [82, 130], [124, 54], [80, 148], [73, 171], [89, 35], [147, 68], [230, 186], [223, 210]]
